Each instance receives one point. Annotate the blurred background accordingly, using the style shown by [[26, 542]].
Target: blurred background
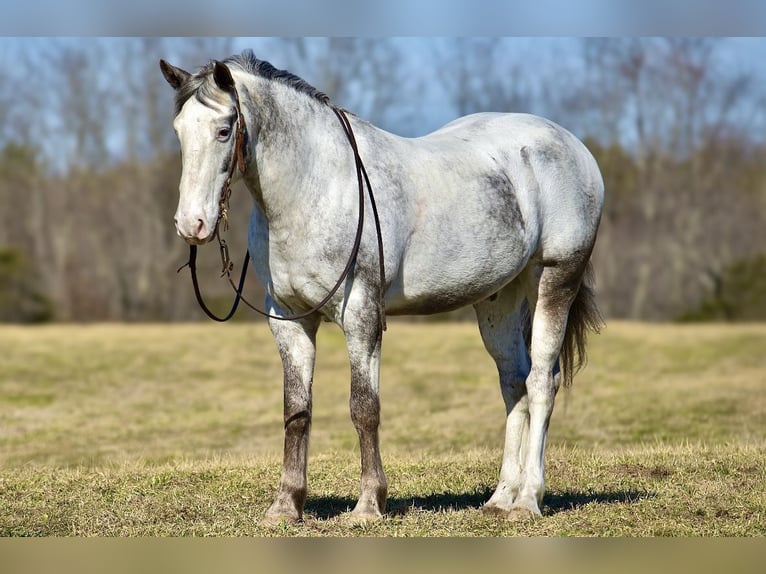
[[89, 164]]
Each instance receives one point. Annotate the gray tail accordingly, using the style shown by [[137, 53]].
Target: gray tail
[[584, 316]]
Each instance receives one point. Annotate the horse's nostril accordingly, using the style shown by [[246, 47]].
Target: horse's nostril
[[200, 228]]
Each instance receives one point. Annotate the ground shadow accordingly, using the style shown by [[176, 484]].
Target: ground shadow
[[324, 507], [556, 502]]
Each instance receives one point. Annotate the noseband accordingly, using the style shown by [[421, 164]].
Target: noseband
[[239, 156]]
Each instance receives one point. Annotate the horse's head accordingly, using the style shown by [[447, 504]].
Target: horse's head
[[205, 126]]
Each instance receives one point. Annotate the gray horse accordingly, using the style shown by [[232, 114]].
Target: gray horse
[[498, 211]]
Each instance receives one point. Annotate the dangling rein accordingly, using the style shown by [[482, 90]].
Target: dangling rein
[[238, 159]]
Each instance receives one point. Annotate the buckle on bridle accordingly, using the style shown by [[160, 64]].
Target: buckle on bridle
[[226, 262]]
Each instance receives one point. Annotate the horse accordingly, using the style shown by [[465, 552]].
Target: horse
[[498, 211]]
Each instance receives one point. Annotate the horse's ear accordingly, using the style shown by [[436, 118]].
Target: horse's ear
[[175, 76], [222, 76]]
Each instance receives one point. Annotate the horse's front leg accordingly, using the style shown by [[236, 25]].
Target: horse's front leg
[[297, 347], [363, 332]]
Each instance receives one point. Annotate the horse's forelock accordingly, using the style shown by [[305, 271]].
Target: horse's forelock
[[200, 85]]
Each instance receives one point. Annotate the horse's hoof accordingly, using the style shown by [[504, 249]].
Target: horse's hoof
[[278, 520], [523, 513], [362, 517], [492, 510]]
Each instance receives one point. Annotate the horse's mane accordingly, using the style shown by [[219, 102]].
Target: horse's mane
[[203, 87]]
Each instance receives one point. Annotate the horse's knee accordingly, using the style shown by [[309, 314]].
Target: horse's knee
[[297, 422], [365, 406], [541, 385], [296, 401]]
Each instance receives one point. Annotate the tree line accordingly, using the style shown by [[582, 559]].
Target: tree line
[[89, 164]]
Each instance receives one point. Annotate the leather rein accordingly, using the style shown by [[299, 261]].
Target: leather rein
[[239, 160]]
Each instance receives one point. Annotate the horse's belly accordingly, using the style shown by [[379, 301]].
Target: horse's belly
[[446, 283]]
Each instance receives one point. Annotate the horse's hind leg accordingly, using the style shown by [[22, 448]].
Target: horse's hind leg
[[363, 331], [550, 303], [501, 320], [296, 343]]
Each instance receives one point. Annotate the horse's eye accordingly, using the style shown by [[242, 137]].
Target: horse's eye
[[223, 134]]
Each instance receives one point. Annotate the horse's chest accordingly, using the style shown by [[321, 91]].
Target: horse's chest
[[300, 273]]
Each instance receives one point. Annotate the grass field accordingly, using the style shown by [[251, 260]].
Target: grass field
[[140, 430]]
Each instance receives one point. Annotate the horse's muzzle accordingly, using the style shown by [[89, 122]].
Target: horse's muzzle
[[194, 231]]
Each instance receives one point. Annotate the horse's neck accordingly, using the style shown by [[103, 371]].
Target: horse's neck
[[291, 136]]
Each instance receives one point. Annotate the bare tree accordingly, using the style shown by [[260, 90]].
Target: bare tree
[[480, 75], [673, 108], [368, 76]]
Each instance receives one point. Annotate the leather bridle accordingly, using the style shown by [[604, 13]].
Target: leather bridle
[[239, 159]]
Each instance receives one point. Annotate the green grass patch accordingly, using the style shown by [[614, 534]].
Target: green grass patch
[[176, 430], [662, 490]]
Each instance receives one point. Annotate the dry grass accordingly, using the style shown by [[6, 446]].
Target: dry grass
[[176, 430]]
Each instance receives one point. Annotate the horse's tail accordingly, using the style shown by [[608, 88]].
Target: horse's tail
[[584, 316]]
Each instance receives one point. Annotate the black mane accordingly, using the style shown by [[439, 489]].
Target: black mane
[[200, 86]]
